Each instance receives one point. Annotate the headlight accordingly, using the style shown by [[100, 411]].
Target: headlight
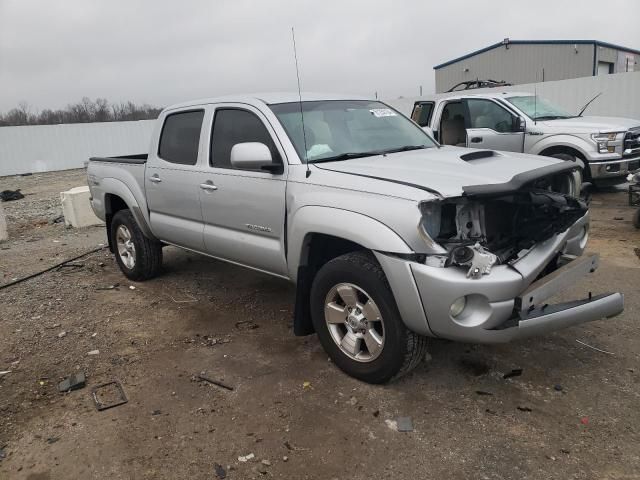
[[604, 140]]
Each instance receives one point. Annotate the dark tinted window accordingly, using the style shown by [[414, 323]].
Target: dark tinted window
[[180, 137], [231, 126], [422, 113]]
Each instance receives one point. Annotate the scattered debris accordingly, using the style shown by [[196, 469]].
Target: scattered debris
[[62, 334], [565, 451], [113, 392], [594, 348], [93, 352], [306, 384], [285, 459], [404, 424], [10, 195], [215, 382], [58, 219], [637, 252], [131, 287], [392, 424], [156, 412], [293, 447], [73, 382], [491, 412], [353, 401], [266, 462], [246, 458], [516, 372], [51, 440], [376, 413], [584, 420], [4, 372], [524, 409], [246, 325], [3, 455], [220, 471], [482, 392], [618, 218], [109, 287]]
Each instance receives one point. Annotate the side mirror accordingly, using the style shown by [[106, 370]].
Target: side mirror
[[519, 124], [429, 131], [253, 156]]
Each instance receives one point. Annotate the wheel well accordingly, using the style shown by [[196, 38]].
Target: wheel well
[[113, 204], [317, 249], [547, 152]]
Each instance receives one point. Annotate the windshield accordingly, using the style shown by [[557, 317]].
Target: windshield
[[538, 108], [343, 129]]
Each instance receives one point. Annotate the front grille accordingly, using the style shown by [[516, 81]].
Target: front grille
[[632, 141]]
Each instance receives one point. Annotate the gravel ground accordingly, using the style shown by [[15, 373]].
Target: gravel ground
[[572, 413]]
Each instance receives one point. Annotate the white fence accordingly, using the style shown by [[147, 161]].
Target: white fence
[[620, 94], [46, 148]]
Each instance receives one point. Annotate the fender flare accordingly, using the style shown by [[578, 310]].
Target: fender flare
[[337, 222], [563, 140], [113, 186]]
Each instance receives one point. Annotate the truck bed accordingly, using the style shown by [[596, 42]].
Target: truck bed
[[136, 159]]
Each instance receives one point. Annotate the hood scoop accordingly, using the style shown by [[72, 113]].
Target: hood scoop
[[468, 157]]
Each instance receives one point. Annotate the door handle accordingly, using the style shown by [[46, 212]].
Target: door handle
[[155, 179], [476, 139], [208, 186]]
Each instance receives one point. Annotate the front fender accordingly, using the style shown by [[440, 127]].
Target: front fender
[[345, 224], [563, 140]]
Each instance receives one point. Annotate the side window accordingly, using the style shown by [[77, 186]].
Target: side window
[[180, 137], [231, 126], [488, 114], [452, 125], [422, 113]]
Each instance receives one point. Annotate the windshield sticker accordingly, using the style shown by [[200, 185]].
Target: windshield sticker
[[383, 112]]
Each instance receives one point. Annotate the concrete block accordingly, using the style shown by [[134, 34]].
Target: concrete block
[[76, 208], [3, 225]]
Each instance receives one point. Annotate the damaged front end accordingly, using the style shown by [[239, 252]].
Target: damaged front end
[[499, 252], [478, 232]]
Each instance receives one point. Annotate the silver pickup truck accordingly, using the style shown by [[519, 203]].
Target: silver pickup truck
[[389, 237], [522, 122]]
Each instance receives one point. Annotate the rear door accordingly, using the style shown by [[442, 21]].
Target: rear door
[[172, 179], [492, 126], [244, 211]]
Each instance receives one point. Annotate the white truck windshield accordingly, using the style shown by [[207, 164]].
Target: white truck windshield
[[538, 108], [342, 129]]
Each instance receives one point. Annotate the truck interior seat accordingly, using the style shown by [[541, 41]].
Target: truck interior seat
[[453, 130]]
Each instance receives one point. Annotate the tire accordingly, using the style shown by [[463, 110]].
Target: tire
[[139, 257], [636, 218], [586, 173], [401, 350]]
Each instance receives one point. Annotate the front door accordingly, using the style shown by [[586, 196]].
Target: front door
[[492, 126], [244, 210], [172, 179]]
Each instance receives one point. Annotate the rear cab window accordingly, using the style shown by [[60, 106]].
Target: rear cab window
[[422, 113], [180, 137]]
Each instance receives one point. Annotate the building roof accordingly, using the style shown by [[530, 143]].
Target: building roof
[[539, 42]]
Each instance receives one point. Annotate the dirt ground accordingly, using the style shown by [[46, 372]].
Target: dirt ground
[[573, 413]]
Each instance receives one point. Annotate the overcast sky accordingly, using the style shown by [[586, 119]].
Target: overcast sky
[[161, 52]]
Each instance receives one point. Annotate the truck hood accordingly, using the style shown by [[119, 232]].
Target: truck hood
[[440, 169], [593, 124]]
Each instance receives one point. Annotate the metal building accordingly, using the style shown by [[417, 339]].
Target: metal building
[[531, 61]]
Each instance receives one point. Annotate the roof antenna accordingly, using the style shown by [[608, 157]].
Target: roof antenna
[[304, 133]]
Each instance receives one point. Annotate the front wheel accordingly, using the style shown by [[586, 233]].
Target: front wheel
[[358, 324], [139, 257]]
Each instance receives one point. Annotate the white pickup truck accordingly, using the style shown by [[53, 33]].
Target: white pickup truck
[[522, 122], [389, 237]]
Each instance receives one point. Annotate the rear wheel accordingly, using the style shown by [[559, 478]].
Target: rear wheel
[[139, 257], [358, 323]]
